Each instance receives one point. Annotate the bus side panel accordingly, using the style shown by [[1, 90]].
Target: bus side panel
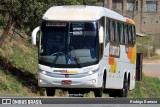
[[132, 79], [114, 77], [103, 67]]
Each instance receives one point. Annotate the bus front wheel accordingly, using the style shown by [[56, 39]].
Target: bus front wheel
[[99, 92], [50, 91]]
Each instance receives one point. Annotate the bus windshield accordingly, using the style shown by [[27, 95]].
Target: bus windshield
[[65, 44]]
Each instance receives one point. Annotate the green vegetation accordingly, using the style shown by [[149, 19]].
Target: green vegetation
[[18, 70], [27, 14], [148, 45], [148, 88]]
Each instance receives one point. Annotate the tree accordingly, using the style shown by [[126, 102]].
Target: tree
[[7, 12], [26, 14]]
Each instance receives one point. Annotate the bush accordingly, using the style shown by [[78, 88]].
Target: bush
[[146, 45]]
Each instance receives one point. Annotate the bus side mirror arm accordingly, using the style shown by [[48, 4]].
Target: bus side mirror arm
[[34, 34]]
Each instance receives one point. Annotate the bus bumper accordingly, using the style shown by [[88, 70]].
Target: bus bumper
[[90, 81]]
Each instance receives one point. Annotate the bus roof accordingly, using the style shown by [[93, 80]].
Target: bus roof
[[80, 13]]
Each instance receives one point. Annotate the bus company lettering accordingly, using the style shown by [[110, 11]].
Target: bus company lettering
[[56, 24], [66, 71], [60, 71]]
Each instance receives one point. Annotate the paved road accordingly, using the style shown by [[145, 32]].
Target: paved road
[[152, 69]]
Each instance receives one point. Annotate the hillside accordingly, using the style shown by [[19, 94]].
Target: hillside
[[18, 73], [18, 68]]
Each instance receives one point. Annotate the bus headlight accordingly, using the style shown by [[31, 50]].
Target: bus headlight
[[42, 71], [90, 72]]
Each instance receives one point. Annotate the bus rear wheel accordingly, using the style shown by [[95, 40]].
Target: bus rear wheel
[[113, 93], [50, 91], [124, 91]]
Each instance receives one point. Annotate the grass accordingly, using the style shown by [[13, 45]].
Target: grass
[[10, 86], [18, 72], [147, 88], [18, 76], [26, 61], [150, 43]]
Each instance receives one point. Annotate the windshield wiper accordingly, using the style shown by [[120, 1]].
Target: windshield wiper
[[75, 57], [56, 58]]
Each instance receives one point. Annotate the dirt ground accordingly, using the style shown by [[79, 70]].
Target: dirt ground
[[151, 61], [151, 74]]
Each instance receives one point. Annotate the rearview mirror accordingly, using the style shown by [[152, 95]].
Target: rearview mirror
[[34, 34], [101, 34]]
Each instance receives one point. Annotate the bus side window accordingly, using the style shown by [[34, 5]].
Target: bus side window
[[130, 40], [118, 31], [107, 30], [113, 31], [121, 34], [126, 33], [133, 34]]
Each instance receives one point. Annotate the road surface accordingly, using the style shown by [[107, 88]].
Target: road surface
[[152, 69]]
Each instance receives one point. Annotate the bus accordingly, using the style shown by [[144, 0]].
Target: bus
[[86, 48]]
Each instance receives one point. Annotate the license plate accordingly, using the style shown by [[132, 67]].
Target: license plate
[[66, 82]]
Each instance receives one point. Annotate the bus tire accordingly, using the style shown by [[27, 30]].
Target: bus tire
[[124, 91], [99, 92], [113, 93], [50, 91]]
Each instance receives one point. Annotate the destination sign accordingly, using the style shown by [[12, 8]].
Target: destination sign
[[56, 24]]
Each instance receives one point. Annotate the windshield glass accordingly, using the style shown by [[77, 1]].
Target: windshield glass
[[68, 44]]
